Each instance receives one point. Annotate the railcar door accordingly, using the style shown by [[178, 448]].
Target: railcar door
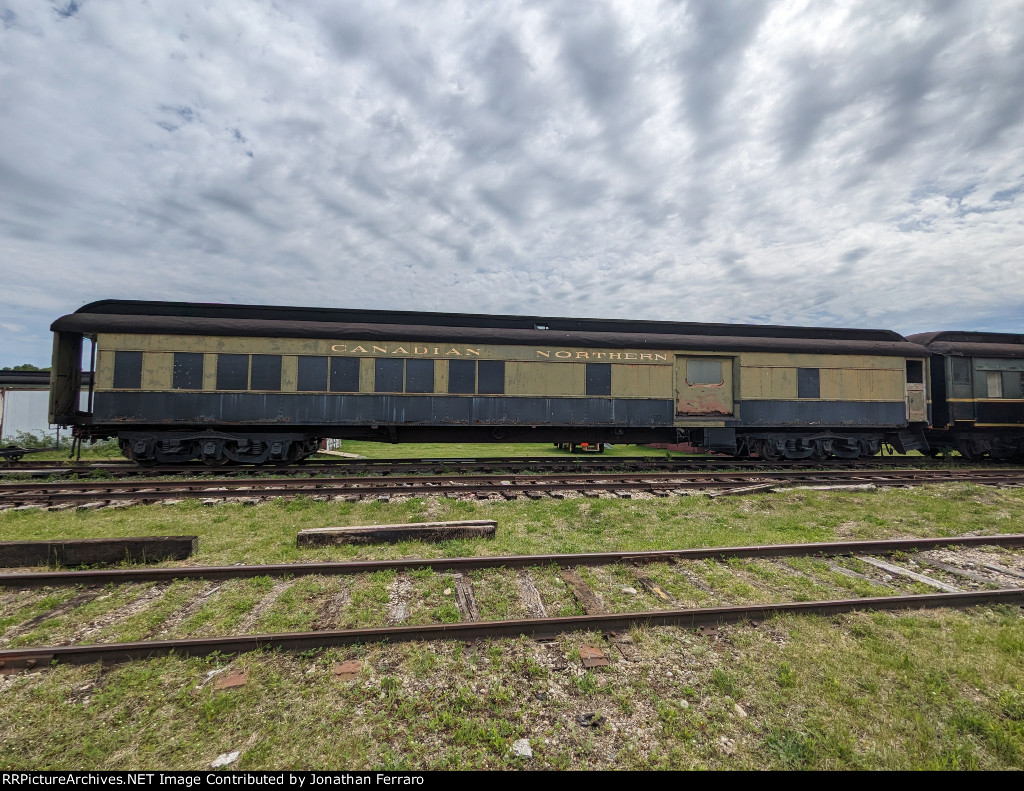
[[917, 407], [704, 386]]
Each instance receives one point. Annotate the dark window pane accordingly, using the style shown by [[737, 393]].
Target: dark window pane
[[312, 373], [344, 374], [1011, 384], [188, 371], [961, 371], [419, 376], [807, 383], [599, 379], [128, 369], [388, 377], [232, 371], [915, 372], [461, 376], [266, 372], [492, 376]]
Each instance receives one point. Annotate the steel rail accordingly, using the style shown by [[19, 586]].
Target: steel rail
[[502, 485], [458, 564], [477, 630], [567, 478], [390, 466]]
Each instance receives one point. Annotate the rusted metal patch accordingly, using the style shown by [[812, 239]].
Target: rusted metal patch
[[348, 671], [18, 664], [593, 656], [238, 678]]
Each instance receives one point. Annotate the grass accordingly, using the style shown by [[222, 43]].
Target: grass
[[924, 690]]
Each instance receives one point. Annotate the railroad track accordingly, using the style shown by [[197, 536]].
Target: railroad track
[[57, 494], [139, 613], [381, 467]]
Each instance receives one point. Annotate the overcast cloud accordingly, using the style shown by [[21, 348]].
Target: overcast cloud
[[820, 163]]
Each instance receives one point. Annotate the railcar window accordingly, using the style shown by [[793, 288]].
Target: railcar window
[[266, 372], [961, 371], [461, 376], [599, 379], [344, 374], [994, 382], [1012, 384], [808, 383], [312, 374], [388, 377], [419, 376], [703, 372], [188, 371], [128, 370], [232, 371], [492, 376], [915, 372]]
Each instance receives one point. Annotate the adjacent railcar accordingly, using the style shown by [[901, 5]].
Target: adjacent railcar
[[256, 384], [977, 393]]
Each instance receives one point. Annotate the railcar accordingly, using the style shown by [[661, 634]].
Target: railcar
[[976, 393], [258, 384]]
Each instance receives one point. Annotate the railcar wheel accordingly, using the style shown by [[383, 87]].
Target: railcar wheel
[[967, 450], [819, 451], [766, 450]]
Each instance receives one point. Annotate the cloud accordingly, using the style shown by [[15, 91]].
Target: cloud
[[852, 163]]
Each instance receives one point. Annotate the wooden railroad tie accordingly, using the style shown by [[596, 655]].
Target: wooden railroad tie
[[95, 551], [385, 534]]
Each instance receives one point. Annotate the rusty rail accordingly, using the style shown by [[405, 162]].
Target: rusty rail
[[462, 564], [23, 493], [540, 628]]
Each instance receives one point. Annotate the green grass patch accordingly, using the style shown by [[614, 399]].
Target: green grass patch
[[920, 690]]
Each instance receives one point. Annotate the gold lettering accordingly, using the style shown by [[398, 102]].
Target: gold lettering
[[614, 355], [399, 350], [600, 355], [646, 357], [660, 357], [563, 354], [543, 354], [420, 350], [474, 352], [629, 355], [360, 349], [380, 349], [339, 347], [583, 355], [456, 352]]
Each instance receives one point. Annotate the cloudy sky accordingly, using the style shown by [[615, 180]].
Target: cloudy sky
[[820, 163]]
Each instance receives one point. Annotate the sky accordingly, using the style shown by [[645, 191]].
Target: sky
[[853, 164]]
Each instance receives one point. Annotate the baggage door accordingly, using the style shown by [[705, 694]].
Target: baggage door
[[704, 386]]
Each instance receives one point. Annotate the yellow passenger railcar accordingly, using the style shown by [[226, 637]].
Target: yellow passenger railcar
[[181, 381]]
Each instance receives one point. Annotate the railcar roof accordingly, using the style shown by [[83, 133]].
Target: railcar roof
[[959, 343], [276, 314]]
